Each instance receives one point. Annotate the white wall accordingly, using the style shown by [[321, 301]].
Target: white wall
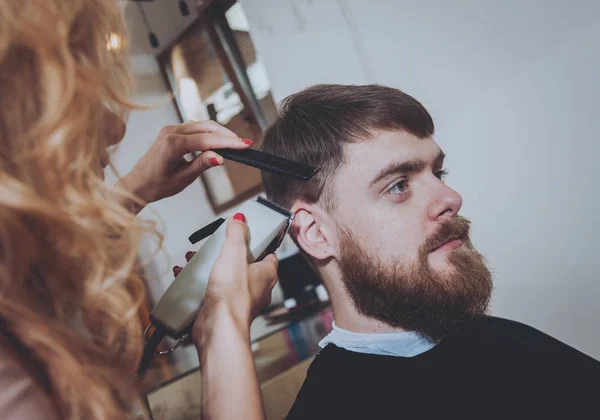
[[514, 89]]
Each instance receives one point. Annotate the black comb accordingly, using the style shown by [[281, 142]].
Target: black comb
[[270, 163]]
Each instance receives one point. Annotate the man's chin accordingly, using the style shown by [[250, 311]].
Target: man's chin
[[441, 262], [445, 262]]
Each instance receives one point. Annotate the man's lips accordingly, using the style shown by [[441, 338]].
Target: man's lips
[[449, 245]]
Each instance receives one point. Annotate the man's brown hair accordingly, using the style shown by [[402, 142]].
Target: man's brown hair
[[313, 125]]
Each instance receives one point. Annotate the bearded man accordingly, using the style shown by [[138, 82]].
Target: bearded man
[[409, 291]]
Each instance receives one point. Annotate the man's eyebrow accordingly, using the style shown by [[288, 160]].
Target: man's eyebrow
[[407, 167]]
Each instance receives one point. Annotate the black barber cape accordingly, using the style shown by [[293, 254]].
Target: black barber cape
[[494, 368]]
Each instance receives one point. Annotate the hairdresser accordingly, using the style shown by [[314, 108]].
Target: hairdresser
[[70, 337]]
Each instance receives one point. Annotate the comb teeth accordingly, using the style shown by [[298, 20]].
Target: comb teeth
[[274, 206]]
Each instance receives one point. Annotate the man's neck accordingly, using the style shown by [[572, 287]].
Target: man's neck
[[345, 313], [348, 318]]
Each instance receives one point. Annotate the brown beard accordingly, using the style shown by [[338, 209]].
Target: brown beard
[[417, 297]]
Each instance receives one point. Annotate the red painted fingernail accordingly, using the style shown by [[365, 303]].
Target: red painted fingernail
[[247, 141], [189, 255], [214, 161], [240, 217]]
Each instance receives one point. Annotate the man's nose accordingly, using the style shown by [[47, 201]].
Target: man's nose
[[445, 203]]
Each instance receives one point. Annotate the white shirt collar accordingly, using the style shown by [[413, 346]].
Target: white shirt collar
[[402, 344]]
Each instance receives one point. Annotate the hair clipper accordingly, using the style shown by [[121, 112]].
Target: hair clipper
[[175, 312]]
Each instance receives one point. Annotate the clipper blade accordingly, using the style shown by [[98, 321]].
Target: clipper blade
[[274, 207]]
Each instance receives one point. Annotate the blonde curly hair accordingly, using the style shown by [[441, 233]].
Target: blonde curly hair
[[69, 292]]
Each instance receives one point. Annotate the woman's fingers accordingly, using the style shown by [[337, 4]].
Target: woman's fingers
[[201, 163], [207, 126], [262, 277], [198, 142], [208, 135], [188, 256], [265, 271], [176, 270]]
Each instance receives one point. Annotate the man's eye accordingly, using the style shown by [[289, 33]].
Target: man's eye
[[399, 187], [441, 174]]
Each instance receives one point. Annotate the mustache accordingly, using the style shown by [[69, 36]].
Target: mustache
[[456, 228]]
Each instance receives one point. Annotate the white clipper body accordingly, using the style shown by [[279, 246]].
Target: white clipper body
[[176, 310]]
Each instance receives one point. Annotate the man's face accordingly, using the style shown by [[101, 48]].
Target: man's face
[[404, 253]]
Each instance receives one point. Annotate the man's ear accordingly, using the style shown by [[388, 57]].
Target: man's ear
[[314, 230]]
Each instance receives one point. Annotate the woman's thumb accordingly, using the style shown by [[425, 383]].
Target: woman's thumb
[[234, 248], [236, 233]]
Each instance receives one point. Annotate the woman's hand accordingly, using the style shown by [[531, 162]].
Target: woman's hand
[[236, 289], [163, 171], [236, 293], [243, 289]]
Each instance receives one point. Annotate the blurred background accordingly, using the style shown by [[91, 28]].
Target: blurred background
[[513, 87]]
